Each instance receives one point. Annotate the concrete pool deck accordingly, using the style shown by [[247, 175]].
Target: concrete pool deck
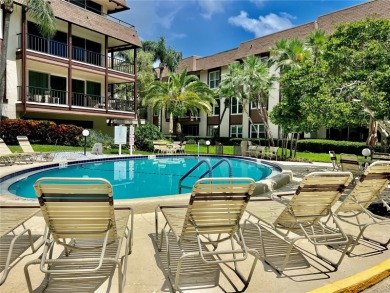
[[146, 268]]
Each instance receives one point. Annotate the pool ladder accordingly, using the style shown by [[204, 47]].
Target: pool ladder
[[209, 171]]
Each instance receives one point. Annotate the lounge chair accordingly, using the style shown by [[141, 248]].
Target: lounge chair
[[299, 219], [350, 163], [272, 153], [37, 156], [7, 157], [252, 151], [81, 218], [353, 210], [14, 236], [212, 217], [333, 159]]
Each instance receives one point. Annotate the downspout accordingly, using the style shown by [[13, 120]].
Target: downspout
[[24, 61], [106, 71], [70, 49]]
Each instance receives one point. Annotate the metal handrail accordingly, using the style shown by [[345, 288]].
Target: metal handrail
[[210, 171], [219, 163]]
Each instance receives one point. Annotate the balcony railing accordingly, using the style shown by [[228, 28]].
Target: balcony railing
[[57, 97], [120, 65], [60, 49]]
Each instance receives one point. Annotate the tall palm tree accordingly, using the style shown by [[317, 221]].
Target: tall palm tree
[[167, 56], [42, 13], [145, 74], [258, 81], [229, 87], [288, 53], [315, 43], [181, 93]]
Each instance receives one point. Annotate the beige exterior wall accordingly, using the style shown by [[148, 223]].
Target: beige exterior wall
[[13, 66]]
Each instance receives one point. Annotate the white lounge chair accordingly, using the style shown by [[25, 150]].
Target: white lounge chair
[[7, 157], [81, 218], [15, 237], [353, 210], [211, 217], [299, 218], [37, 156]]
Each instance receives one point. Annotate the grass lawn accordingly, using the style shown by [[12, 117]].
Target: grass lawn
[[190, 149]]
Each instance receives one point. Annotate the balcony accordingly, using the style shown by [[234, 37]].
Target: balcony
[[60, 49], [50, 97]]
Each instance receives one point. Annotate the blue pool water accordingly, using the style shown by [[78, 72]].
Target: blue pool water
[[147, 177]]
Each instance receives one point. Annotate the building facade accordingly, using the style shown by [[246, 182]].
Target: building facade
[[211, 69], [77, 76]]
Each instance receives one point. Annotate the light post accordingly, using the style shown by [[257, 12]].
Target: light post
[[366, 152], [207, 144], [85, 134]]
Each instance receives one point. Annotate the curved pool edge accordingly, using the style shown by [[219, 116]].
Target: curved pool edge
[[142, 205]]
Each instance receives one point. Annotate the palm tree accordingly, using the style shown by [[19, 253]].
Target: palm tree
[[315, 43], [230, 87], [42, 13], [249, 82], [145, 74], [288, 53], [258, 81], [167, 56], [180, 94]]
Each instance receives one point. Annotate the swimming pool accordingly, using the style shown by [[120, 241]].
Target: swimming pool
[[147, 176]]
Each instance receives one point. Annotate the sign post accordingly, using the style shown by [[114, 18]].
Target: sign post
[[131, 139], [120, 136]]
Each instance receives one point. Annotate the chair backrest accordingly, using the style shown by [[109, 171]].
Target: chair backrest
[[313, 199], [260, 149], [25, 144], [350, 163], [374, 180], [4, 149], [217, 205], [333, 159], [77, 207]]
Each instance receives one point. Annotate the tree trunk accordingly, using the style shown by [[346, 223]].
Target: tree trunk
[[263, 113], [296, 145], [227, 106], [8, 9], [292, 144]]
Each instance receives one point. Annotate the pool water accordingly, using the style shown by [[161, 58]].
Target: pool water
[[147, 177]]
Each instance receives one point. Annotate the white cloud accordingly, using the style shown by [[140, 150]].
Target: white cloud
[[210, 7], [264, 25], [175, 36]]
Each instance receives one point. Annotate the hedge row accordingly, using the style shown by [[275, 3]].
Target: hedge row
[[304, 145], [43, 132]]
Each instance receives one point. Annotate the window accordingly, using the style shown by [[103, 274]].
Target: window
[[214, 78], [254, 104], [236, 131], [38, 85], [89, 5], [236, 107], [257, 131], [212, 130], [217, 108]]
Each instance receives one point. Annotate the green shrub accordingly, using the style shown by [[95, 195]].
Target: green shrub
[[145, 135], [44, 132], [324, 146]]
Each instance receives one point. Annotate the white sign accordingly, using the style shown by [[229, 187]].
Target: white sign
[[120, 135], [131, 139], [131, 130]]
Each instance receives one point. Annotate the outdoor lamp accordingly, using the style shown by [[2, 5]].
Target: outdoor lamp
[[85, 134], [208, 144], [366, 152]]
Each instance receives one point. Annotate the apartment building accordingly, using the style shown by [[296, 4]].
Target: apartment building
[[75, 77], [211, 69]]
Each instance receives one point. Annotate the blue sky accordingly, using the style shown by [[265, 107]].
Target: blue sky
[[206, 27]]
